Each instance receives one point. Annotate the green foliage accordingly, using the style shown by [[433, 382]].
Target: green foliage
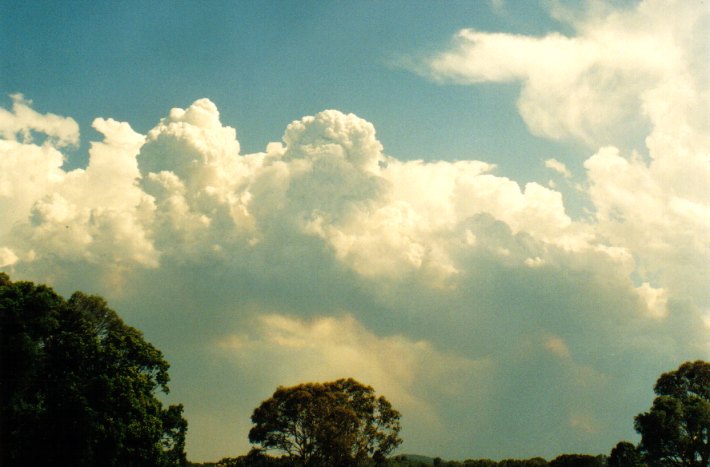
[[676, 431], [409, 460], [78, 385], [534, 462], [480, 463], [578, 460], [625, 454], [255, 458], [338, 423]]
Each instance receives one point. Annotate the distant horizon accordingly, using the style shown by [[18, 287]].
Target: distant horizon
[[494, 213]]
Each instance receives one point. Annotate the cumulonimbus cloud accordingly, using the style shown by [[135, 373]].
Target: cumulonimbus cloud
[[497, 310]]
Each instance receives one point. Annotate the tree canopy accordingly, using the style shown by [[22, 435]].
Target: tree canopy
[[324, 424], [78, 386], [676, 431], [625, 454]]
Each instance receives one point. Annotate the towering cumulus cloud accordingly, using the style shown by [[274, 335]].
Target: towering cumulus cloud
[[622, 71], [476, 303]]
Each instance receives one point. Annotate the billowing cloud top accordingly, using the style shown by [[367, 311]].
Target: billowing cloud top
[[477, 304]]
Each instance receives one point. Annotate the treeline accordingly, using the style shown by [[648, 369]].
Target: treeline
[[565, 460], [303, 422], [258, 459], [79, 387]]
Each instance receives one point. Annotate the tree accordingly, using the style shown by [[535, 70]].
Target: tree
[[255, 458], [324, 424], [625, 454], [578, 460], [676, 431], [77, 385], [534, 462], [481, 463]]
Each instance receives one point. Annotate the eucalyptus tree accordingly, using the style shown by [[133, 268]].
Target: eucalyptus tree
[[339, 423], [78, 386], [676, 430]]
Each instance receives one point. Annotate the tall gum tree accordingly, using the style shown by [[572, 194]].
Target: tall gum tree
[[676, 431], [324, 424]]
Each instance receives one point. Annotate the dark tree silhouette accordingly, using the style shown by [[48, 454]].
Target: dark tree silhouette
[[339, 423], [676, 431], [625, 454], [77, 385], [578, 460]]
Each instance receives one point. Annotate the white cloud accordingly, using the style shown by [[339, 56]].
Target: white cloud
[[466, 297], [558, 167], [335, 136], [7, 257], [653, 213], [27, 172], [590, 86], [621, 69], [95, 214], [478, 276], [22, 121]]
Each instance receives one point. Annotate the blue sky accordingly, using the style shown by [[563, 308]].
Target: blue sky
[[495, 213], [266, 64]]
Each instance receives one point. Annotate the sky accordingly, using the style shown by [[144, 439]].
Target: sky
[[496, 213]]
